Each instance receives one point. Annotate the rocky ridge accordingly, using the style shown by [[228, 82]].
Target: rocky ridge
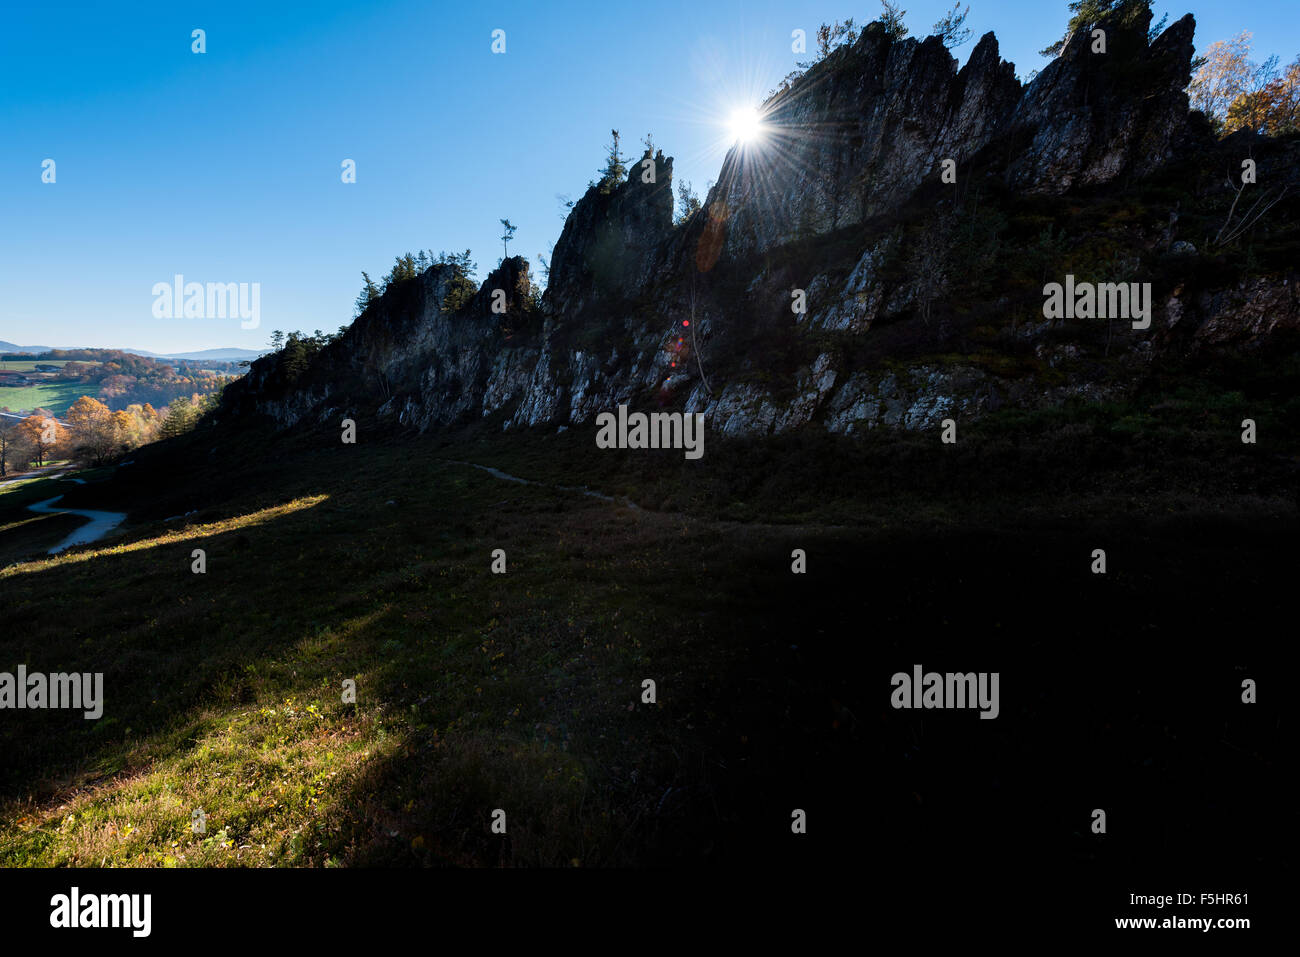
[[698, 316]]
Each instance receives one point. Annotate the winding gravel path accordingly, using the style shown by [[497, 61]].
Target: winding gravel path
[[100, 524], [506, 476]]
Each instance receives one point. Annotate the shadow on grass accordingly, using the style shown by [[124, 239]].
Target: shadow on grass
[[523, 691]]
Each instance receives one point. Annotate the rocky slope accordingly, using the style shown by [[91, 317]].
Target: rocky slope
[[923, 298]]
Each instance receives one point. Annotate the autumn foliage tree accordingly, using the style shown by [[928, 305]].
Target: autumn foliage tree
[[7, 448], [1269, 101], [1237, 93], [40, 434], [93, 428], [97, 433]]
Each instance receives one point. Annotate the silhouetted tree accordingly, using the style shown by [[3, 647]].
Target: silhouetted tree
[[951, 29], [1088, 13], [369, 293], [5, 446], [688, 203], [615, 169], [832, 36], [892, 21]]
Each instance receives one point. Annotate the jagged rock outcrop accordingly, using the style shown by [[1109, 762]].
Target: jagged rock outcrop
[[408, 355], [1098, 115], [698, 316], [857, 134], [867, 125], [610, 238]]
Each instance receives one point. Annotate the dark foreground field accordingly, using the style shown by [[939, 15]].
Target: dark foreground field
[[522, 691]]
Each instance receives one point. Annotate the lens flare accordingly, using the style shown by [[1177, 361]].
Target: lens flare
[[745, 125]]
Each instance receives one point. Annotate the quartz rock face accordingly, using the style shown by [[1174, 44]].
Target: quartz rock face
[[701, 315]]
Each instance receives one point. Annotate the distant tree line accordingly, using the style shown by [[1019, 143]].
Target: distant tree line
[[462, 285], [95, 434], [119, 379]]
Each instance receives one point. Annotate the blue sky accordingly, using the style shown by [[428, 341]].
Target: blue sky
[[225, 166]]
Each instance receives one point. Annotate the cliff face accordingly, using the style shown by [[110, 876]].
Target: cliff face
[[923, 299], [865, 126], [1096, 116], [858, 133], [609, 240]]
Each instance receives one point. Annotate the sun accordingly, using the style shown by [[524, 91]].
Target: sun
[[745, 125]]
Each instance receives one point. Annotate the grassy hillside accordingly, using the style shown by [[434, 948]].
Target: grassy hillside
[[522, 691], [55, 396]]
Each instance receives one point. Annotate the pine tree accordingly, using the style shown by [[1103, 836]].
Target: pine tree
[[892, 21], [615, 168], [1087, 13], [181, 417], [369, 293], [460, 287], [951, 29], [832, 36], [688, 203]]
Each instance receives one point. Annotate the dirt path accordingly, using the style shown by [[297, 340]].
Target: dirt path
[[100, 524], [506, 476], [50, 471]]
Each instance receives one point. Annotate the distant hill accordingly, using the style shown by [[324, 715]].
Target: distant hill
[[115, 377], [216, 355], [222, 355], [11, 347]]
